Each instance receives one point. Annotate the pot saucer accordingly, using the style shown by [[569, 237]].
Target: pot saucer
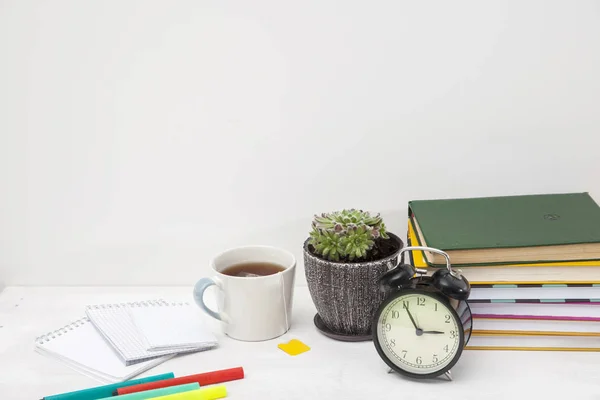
[[338, 336]]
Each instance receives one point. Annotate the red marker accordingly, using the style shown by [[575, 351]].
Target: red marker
[[203, 379]]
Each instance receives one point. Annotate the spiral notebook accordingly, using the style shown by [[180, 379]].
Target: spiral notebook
[[79, 346], [178, 326], [116, 324]]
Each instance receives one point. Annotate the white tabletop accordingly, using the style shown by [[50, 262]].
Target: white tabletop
[[330, 370]]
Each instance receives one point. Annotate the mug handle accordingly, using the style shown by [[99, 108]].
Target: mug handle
[[199, 290]]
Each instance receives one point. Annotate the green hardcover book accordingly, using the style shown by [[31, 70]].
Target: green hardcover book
[[518, 229]]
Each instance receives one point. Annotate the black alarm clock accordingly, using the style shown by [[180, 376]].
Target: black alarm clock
[[424, 322]]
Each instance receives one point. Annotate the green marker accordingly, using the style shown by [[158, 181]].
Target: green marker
[[148, 394], [99, 392]]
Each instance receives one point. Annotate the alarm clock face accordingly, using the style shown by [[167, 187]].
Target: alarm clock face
[[418, 333]]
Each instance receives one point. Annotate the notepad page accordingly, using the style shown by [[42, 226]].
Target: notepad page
[[173, 325], [115, 323], [81, 347]]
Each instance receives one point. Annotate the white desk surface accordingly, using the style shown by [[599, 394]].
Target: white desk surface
[[330, 370]]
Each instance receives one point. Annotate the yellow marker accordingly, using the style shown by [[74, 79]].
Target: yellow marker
[[205, 393], [293, 347]]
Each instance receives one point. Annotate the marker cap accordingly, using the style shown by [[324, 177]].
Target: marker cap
[[225, 375], [213, 392], [207, 393]]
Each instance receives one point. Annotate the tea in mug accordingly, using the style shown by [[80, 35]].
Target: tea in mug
[[253, 269]]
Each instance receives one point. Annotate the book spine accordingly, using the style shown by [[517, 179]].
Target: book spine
[[535, 301], [531, 285], [535, 317]]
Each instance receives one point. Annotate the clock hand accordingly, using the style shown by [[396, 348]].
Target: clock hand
[[438, 332], [412, 320]]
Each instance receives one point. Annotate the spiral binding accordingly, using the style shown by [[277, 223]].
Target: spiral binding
[[145, 303], [59, 332]]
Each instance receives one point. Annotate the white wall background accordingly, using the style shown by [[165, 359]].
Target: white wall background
[[139, 138]]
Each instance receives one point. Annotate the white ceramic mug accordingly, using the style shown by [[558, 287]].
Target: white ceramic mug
[[251, 308]]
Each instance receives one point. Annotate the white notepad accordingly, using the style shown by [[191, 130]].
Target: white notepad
[[115, 323], [175, 325], [80, 346]]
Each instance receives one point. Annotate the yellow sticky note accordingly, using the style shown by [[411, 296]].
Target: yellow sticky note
[[293, 347]]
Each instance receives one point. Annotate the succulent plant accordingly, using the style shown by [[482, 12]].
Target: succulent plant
[[346, 235]]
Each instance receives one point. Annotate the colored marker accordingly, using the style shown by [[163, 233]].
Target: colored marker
[[149, 394], [208, 393], [98, 392], [203, 379]]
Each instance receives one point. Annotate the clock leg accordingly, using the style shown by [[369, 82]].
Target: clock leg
[[448, 375]]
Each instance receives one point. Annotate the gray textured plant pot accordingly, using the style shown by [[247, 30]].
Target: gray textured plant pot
[[346, 295]]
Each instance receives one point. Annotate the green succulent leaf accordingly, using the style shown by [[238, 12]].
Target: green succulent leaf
[[346, 234]]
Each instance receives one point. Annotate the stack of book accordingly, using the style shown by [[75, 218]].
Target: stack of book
[[533, 262]]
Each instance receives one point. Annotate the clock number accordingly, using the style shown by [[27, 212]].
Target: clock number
[[435, 305], [452, 334], [446, 348], [421, 301], [447, 319], [435, 358], [395, 314], [393, 342], [419, 360], [388, 327], [405, 305], [404, 353]]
